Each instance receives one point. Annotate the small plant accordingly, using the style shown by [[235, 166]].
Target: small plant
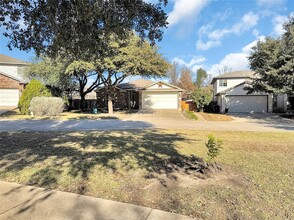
[[46, 106], [214, 145]]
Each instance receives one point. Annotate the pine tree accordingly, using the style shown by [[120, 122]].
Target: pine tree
[[273, 63]]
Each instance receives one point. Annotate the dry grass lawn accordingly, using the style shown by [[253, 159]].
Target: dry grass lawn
[[215, 117], [15, 115], [149, 168]]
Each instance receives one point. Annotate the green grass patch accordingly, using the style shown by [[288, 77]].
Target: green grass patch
[[190, 115], [149, 168]]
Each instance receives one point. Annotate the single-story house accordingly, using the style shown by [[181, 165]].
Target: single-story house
[[11, 82], [143, 94], [229, 93], [74, 100]]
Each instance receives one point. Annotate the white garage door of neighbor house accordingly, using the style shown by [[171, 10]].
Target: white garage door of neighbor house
[[9, 97], [247, 103], [160, 101]]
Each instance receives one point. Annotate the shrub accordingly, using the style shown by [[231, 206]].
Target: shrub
[[46, 106], [33, 89], [214, 146], [202, 97]]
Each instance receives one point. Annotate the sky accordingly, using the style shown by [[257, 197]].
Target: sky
[[210, 34]]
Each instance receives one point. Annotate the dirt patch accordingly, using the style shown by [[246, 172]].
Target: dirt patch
[[201, 173]]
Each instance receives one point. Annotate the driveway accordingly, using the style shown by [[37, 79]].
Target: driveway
[[150, 115], [260, 118]]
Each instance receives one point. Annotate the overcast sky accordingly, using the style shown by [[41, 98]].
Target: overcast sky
[[212, 33]]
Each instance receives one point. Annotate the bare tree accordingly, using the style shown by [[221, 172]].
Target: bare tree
[[224, 69], [173, 74]]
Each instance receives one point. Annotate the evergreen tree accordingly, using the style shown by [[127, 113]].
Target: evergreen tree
[[201, 76], [34, 89], [273, 63]]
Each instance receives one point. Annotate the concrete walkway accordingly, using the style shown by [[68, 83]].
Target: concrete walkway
[[142, 123], [33, 203]]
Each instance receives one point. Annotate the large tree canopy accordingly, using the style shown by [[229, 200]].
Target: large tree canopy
[[273, 63], [129, 57], [78, 29], [51, 73]]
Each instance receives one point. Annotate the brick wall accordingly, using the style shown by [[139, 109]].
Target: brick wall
[[8, 83]]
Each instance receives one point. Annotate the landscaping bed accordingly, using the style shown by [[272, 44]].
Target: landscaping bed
[[159, 168]]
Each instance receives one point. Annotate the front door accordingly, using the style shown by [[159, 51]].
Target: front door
[[290, 104]]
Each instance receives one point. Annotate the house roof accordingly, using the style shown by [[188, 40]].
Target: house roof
[[10, 60], [90, 96], [234, 75], [229, 89], [12, 77], [167, 84], [143, 84], [136, 84]]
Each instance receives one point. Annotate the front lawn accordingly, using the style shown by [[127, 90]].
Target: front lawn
[[151, 168]]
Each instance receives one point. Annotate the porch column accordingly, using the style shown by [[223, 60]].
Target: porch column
[[270, 103], [285, 102], [223, 103]]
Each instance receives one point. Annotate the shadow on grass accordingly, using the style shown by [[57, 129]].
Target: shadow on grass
[[148, 150], [49, 157]]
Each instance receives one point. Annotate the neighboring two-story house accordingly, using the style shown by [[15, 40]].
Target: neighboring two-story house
[[228, 91], [11, 82]]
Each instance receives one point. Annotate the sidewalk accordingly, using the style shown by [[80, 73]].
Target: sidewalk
[[27, 202]]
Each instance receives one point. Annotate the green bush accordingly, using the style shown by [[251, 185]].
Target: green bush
[[214, 146], [46, 106], [34, 89]]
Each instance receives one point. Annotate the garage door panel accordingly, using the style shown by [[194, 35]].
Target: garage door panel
[[246, 103], [160, 101], [9, 97]]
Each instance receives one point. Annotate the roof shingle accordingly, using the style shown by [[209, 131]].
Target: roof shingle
[[10, 60], [235, 74]]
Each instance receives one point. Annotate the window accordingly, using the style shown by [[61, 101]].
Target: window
[[223, 82]]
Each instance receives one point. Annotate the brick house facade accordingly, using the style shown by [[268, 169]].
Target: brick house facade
[[11, 82], [7, 82]]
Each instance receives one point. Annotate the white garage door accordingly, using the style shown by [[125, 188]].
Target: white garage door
[[160, 101], [9, 97], [247, 103]]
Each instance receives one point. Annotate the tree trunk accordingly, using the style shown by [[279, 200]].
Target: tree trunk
[[83, 104], [110, 105]]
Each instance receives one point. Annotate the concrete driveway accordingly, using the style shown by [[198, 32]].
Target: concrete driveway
[[261, 118], [147, 115]]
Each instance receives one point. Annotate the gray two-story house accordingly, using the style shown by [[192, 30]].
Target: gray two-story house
[[228, 91]]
